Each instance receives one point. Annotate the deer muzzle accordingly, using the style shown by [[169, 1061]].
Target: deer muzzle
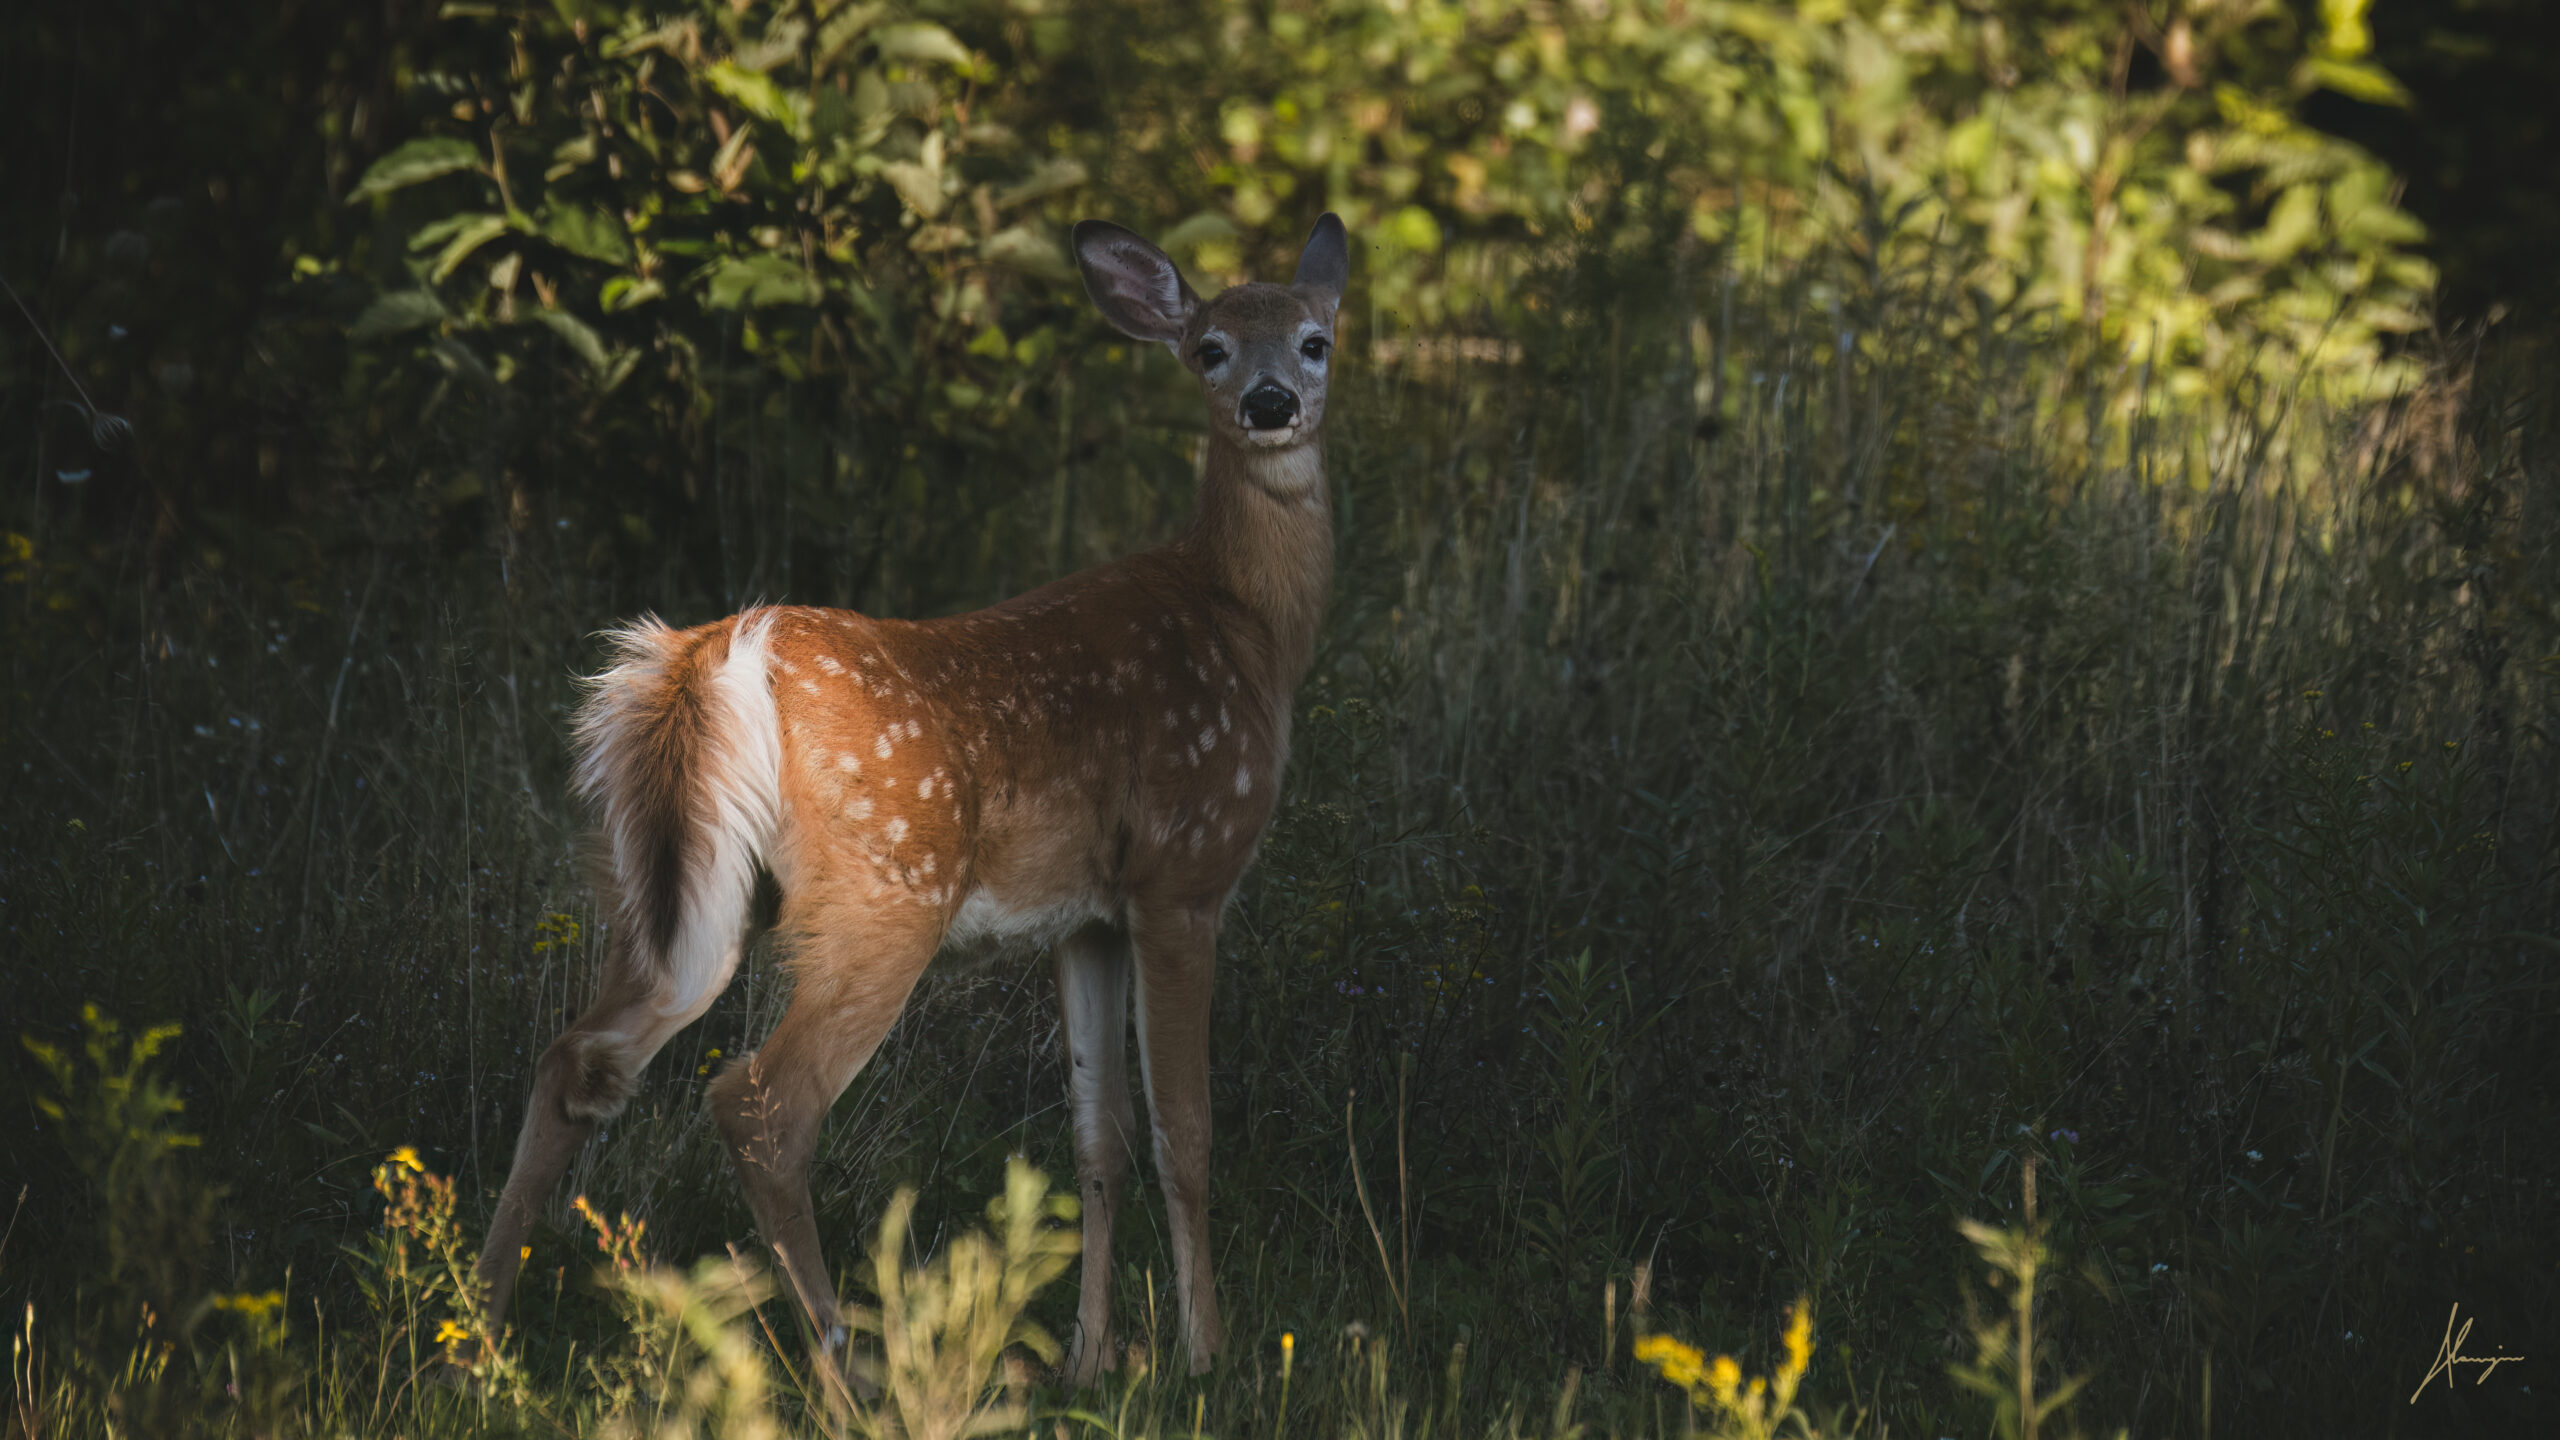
[[1270, 406]]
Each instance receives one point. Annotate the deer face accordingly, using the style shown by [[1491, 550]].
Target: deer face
[[1262, 351]]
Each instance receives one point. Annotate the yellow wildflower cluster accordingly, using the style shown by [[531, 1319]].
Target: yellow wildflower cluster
[[619, 1238], [1754, 1410]]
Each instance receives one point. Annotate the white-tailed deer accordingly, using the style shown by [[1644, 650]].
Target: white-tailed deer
[[1088, 766]]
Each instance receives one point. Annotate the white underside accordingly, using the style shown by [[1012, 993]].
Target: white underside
[[987, 926]]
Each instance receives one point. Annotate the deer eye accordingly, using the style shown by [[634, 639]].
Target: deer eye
[[1314, 348], [1212, 356]]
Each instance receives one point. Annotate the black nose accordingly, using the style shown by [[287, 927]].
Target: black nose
[[1269, 407]]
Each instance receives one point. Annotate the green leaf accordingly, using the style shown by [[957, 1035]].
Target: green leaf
[[841, 31], [420, 160], [570, 328], [625, 292], [467, 238], [397, 312], [923, 40], [1025, 248], [1415, 229], [588, 231], [1048, 178], [435, 233], [760, 95], [745, 282], [919, 183], [2357, 80]]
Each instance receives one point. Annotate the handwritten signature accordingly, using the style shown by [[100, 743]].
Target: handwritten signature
[[2449, 1355]]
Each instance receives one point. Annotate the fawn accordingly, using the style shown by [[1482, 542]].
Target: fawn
[[1089, 767]]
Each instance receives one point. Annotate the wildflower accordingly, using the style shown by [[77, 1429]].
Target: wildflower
[[1682, 1365], [449, 1331], [406, 1157], [2310, 694], [1799, 1342], [1724, 1379], [249, 1305], [2452, 745]]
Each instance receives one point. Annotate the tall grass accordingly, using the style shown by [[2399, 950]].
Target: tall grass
[[1759, 795]]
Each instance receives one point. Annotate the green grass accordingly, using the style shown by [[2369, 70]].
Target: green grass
[[1734, 858]]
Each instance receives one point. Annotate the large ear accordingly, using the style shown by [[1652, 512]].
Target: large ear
[[1134, 284], [1325, 265]]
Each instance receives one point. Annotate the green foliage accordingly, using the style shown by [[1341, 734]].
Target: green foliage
[[117, 1119], [635, 182], [944, 1329], [862, 212], [156, 1352]]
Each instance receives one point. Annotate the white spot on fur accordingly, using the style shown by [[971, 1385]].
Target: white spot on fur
[[897, 830], [849, 763], [881, 746], [924, 788], [1244, 780]]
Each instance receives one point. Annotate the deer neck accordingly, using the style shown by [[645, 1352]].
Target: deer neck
[[1263, 533]]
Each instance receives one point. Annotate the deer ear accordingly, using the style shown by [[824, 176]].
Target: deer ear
[[1325, 265], [1135, 285]]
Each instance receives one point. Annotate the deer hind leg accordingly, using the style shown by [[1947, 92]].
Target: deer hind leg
[[853, 967], [1177, 947], [1093, 1006], [581, 1081]]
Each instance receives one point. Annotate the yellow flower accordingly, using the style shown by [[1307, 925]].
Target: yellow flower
[[1799, 1343], [406, 1157], [448, 1332], [1681, 1365], [1726, 1376]]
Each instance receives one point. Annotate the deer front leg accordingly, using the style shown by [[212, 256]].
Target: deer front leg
[[1093, 1009], [1177, 949]]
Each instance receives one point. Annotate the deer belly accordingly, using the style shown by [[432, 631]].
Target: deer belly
[[988, 927]]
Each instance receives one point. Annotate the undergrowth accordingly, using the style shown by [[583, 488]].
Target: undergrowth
[[1752, 810]]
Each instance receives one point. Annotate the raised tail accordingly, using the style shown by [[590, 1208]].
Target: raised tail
[[680, 752]]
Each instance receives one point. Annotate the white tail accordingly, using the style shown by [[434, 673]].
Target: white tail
[[1089, 766], [681, 757]]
